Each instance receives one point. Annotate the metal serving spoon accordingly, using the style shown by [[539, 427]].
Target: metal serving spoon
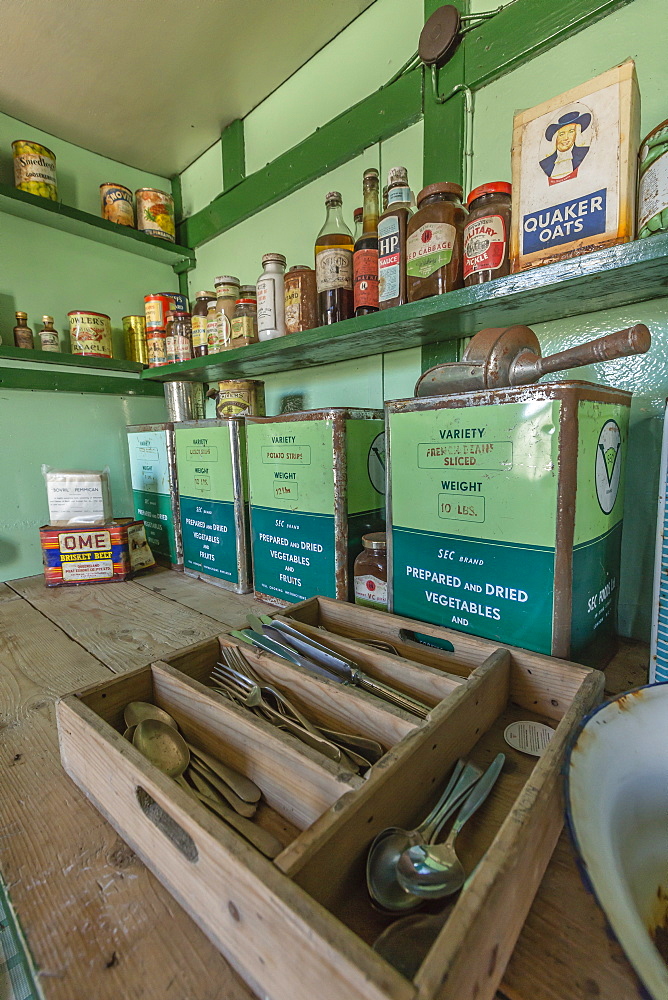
[[431, 871]]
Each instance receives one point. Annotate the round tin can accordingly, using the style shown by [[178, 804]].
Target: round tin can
[[156, 307], [155, 213], [238, 396], [134, 329], [156, 348], [653, 182], [116, 202], [35, 169], [90, 333], [185, 400]]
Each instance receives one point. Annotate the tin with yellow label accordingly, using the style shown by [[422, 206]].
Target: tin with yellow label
[[90, 333], [239, 397], [35, 169], [134, 329]]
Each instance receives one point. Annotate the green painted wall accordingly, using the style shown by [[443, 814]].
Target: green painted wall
[[46, 271]]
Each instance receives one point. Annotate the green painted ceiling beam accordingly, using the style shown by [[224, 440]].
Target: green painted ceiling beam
[[233, 148], [390, 110]]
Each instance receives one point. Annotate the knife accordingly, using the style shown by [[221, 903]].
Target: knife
[[279, 649]]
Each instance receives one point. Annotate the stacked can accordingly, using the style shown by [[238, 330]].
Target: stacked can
[[134, 328], [156, 307]]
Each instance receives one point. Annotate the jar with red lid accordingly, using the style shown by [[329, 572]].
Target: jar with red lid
[[370, 572], [434, 243], [486, 233]]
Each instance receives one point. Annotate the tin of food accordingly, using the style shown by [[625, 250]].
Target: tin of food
[[134, 329], [35, 169], [90, 333], [238, 397], [116, 204], [155, 213]]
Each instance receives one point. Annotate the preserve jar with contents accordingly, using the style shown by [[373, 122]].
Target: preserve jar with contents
[[486, 233], [182, 331], [334, 264], [392, 231], [170, 341], [212, 328], [271, 297], [198, 324], [244, 324], [227, 292], [48, 337], [434, 243], [22, 332], [370, 572], [301, 299]]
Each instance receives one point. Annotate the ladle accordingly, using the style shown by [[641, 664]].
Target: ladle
[[434, 870], [165, 747], [389, 844]]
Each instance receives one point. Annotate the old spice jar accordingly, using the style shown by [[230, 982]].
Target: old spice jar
[[370, 572], [301, 299], [486, 233], [434, 242]]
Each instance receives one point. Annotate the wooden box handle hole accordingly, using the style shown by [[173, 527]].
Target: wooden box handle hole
[[168, 826]]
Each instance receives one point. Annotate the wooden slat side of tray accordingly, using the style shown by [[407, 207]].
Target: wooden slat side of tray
[[469, 957], [270, 931], [224, 606], [122, 624], [329, 859]]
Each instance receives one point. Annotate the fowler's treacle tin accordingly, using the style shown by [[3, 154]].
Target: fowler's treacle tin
[[155, 213], [35, 169], [116, 202], [90, 333], [239, 397], [134, 328]]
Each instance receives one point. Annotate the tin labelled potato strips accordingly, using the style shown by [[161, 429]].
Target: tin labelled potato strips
[[116, 204]]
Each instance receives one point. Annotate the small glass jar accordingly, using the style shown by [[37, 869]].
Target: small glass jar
[[434, 242], [212, 339], [271, 297], [170, 341], [227, 291], [198, 323], [244, 324], [22, 332], [183, 336], [49, 339], [370, 572], [486, 233], [301, 299]]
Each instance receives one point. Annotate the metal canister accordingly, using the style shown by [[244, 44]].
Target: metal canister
[[134, 329], [301, 299], [238, 397], [156, 307], [653, 185], [90, 333], [155, 213], [156, 348], [116, 202], [35, 169], [185, 400]]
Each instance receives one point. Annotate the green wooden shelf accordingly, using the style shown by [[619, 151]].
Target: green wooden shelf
[[96, 375], [71, 220], [621, 275]]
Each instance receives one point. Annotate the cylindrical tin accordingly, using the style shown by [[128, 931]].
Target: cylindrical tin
[[238, 397], [35, 169], [116, 202], [156, 307], [185, 400], [156, 348], [155, 213], [90, 333], [301, 299], [134, 328], [180, 301], [653, 182]]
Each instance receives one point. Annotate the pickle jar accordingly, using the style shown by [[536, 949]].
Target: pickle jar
[[434, 242], [244, 324], [486, 233], [183, 338], [370, 572]]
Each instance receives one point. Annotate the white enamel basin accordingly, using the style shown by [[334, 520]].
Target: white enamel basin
[[617, 806]]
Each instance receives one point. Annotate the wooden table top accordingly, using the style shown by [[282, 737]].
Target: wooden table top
[[97, 922]]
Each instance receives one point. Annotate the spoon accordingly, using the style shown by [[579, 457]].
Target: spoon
[[264, 841], [406, 943], [221, 788], [389, 844], [164, 747], [431, 871], [136, 711]]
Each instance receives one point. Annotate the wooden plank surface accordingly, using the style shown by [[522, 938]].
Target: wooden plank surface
[[122, 624], [6, 593], [222, 605]]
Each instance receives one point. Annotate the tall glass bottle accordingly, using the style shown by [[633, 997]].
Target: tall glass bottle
[[334, 264], [392, 234], [358, 215], [365, 257]]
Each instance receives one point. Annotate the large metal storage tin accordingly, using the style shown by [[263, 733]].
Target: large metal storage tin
[[506, 514], [154, 489], [213, 500], [316, 486]]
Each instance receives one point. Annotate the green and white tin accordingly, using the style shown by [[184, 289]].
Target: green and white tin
[[506, 514], [213, 500], [154, 489], [317, 480]]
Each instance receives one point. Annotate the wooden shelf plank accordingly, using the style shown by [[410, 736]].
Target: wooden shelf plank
[[70, 220], [621, 275], [96, 375]]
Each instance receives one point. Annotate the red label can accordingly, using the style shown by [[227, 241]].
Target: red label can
[[156, 308], [365, 278], [156, 346]]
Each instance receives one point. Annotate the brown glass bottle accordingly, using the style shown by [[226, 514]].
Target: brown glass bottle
[[22, 332], [334, 264], [365, 257], [392, 227], [199, 331]]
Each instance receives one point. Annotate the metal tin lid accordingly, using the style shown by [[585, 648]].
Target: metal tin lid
[[47, 319], [333, 196], [163, 194], [358, 214], [397, 175], [495, 187], [225, 279], [205, 295], [113, 184], [246, 302], [370, 172], [267, 257], [301, 267], [21, 315], [443, 188], [178, 314], [248, 290], [374, 540], [85, 312]]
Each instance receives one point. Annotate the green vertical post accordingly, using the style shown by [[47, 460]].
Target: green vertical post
[[234, 154]]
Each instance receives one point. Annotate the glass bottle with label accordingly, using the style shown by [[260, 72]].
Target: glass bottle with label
[[182, 332], [170, 339], [198, 323], [365, 257], [334, 264], [301, 299], [271, 297], [392, 227], [434, 242], [49, 339], [227, 291], [358, 218], [22, 332], [370, 572], [212, 328], [486, 233]]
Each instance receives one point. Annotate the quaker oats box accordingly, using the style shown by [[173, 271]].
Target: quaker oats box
[[574, 164]]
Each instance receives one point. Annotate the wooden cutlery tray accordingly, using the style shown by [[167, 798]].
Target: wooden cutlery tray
[[303, 924]]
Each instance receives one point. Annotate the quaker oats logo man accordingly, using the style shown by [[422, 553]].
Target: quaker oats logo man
[[566, 133]]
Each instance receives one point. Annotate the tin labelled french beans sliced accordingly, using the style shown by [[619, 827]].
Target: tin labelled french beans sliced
[[116, 204], [90, 334]]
